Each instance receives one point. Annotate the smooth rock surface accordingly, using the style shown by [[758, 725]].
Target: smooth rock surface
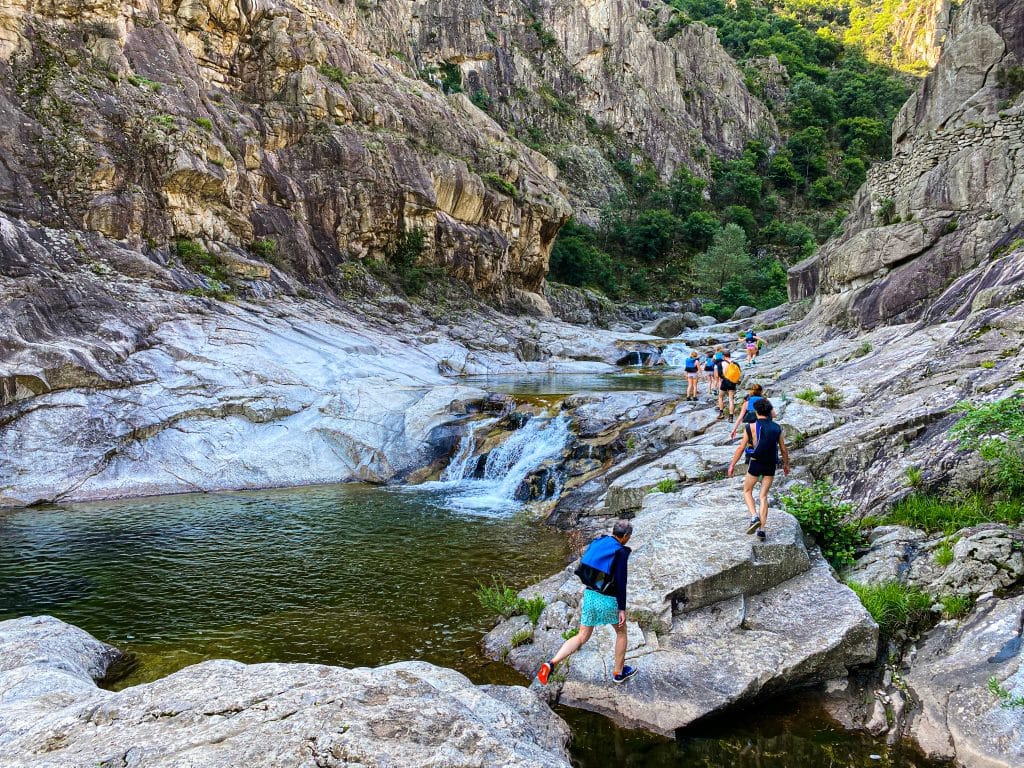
[[959, 718], [221, 714]]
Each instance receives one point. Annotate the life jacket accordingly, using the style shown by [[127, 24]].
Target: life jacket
[[719, 356], [691, 365], [595, 568], [751, 415], [733, 372], [750, 336], [766, 449], [709, 363]]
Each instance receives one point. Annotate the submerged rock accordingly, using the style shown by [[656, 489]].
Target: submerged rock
[[222, 714]]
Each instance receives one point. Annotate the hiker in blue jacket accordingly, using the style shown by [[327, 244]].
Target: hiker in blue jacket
[[603, 570], [762, 446]]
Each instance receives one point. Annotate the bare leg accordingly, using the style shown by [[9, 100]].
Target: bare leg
[[749, 481], [766, 483], [573, 644], [620, 648]]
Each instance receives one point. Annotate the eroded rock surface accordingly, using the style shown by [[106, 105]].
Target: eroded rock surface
[[223, 713], [716, 617]]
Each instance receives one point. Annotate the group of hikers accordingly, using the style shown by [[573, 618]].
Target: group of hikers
[[719, 372], [603, 567]]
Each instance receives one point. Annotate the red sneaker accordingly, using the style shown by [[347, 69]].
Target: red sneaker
[[544, 672]]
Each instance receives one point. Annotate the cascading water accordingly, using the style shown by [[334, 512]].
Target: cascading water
[[506, 467], [675, 354]]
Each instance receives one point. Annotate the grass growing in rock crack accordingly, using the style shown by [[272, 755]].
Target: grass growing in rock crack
[[822, 516], [955, 606], [833, 397], [894, 606], [915, 477], [522, 637], [1006, 699], [944, 553], [863, 349], [668, 485], [808, 396], [939, 514], [570, 633], [501, 600], [996, 431]]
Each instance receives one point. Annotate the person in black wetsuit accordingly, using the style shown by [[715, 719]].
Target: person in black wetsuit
[[763, 444]]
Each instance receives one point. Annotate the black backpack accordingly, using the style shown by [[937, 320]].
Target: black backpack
[[767, 448]]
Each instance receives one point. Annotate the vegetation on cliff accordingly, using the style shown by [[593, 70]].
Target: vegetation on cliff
[[835, 109]]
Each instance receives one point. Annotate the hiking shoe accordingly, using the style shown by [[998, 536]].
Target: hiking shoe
[[761, 534], [624, 675], [544, 672], [755, 523]]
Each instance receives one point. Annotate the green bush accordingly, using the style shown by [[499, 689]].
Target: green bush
[[500, 184], [822, 516], [996, 431], [808, 396], [334, 74], [668, 485], [532, 607], [205, 123], [498, 599], [264, 248], [955, 606], [193, 256], [862, 350], [894, 606], [570, 633], [404, 258]]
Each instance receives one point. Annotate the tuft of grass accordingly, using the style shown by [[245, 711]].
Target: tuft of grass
[[570, 633], [334, 74], [955, 606], [668, 485], [915, 477], [893, 606], [533, 607], [944, 553], [822, 516], [522, 637], [204, 122], [500, 184], [987, 364], [937, 514], [863, 349], [833, 397], [1006, 699], [498, 598], [808, 396], [265, 248]]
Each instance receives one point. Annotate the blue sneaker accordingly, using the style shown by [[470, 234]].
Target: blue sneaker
[[624, 675]]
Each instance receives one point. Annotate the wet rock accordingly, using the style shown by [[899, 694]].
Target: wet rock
[[223, 713]]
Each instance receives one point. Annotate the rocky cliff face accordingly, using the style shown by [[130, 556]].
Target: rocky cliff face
[[329, 129], [952, 195], [232, 122]]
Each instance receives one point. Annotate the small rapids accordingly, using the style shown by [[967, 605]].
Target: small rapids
[[492, 489], [675, 354]]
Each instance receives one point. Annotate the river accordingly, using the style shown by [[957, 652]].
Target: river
[[354, 575]]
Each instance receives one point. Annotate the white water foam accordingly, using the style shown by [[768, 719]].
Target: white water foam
[[537, 441]]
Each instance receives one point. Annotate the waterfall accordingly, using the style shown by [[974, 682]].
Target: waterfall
[[507, 466], [675, 354], [459, 466]]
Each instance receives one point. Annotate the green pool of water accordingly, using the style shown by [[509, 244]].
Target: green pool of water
[[569, 383], [345, 575], [339, 575]]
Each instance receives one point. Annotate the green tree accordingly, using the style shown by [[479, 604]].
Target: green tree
[[726, 258]]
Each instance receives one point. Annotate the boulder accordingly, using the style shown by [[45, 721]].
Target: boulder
[[672, 325], [221, 714], [688, 463], [706, 320], [595, 413], [959, 717], [744, 312], [716, 618], [800, 418]]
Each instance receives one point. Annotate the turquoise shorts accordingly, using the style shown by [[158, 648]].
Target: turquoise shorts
[[599, 609]]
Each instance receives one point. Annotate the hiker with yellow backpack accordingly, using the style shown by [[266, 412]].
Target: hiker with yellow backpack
[[729, 375]]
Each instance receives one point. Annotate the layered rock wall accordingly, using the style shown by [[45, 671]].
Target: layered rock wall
[[953, 192]]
